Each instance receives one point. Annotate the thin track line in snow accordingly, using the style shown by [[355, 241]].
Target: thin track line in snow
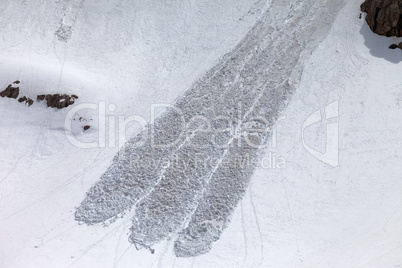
[[256, 221], [163, 254], [243, 226], [90, 247], [55, 190], [122, 255], [291, 218]]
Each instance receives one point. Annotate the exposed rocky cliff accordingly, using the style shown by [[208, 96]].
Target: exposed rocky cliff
[[384, 16]]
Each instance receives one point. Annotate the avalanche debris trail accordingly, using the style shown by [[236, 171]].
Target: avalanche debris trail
[[67, 24], [183, 173]]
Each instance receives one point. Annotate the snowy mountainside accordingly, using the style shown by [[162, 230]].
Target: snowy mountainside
[[308, 214]]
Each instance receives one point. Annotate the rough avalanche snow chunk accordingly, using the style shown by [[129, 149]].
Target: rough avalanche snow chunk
[[65, 31]]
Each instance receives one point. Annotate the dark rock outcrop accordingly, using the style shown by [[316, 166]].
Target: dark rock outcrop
[[53, 100], [384, 16], [395, 46], [58, 101], [10, 92]]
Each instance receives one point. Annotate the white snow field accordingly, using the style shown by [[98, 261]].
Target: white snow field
[[328, 193]]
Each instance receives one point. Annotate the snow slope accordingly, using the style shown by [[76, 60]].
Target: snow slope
[[306, 215]]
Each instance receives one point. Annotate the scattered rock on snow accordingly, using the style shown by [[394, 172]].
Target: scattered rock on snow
[[27, 100], [10, 92], [53, 100], [384, 16], [395, 46], [57, 100], [22, 99]]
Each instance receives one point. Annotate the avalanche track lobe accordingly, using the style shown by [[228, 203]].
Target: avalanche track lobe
[[248, 87]]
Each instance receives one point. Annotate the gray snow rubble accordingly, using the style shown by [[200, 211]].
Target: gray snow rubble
[[64, 32], [172, 188]]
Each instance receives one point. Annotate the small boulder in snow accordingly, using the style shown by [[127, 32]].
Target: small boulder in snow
[[22, 99], [27, 100]]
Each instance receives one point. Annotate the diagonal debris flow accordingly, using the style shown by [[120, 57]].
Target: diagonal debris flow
[[192, 185]]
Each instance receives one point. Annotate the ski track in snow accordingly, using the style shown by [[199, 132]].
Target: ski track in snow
[[183, 196], [257, 222], [243, 225]]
